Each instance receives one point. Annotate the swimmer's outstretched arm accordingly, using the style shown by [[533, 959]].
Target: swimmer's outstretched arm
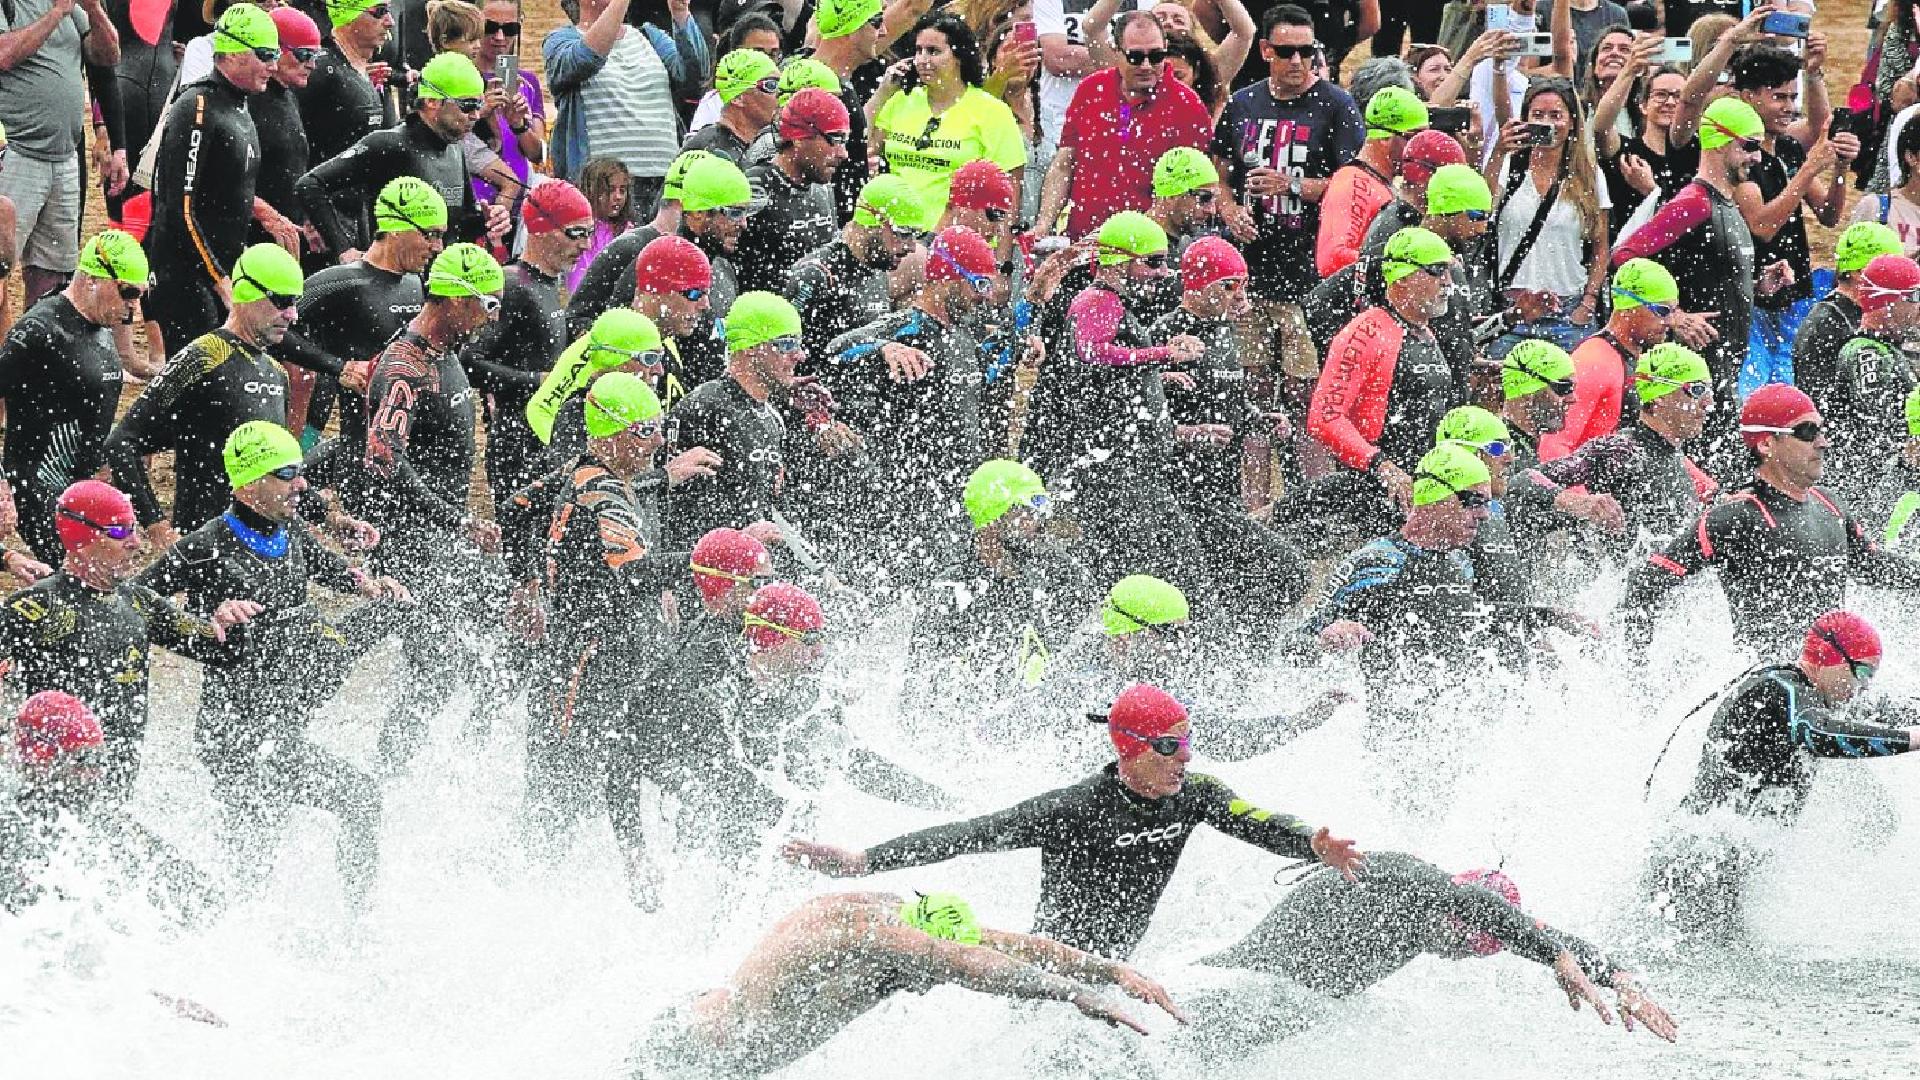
[[1063, 959], [989, 971]]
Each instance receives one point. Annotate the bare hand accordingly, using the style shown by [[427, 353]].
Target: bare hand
[[114, 174], [1340, 854], [9, 510], [1816, 56], [1638, 174], [1398, 484], [1603, 510], [493, 101], [1017, 60], [1214, 435], [27, 568], [1344, 634], [1578, 988], [687, 464], [905, 363], [354, 534], [1239, 222], [1513, 136], [825, 858], [1263, 182], [498, 221], [283, 231], [837, 440], [1099, 1008], [1142, 988], [1186, 348], [766, 532], [1178, 380], [351, 256], [1694, 328], [1636, 1005], [161, 535], [1778, 275], [1821, 157], [232, 613], [1846, 146]]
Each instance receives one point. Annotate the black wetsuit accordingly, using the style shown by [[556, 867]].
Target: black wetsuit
[[1000, 629], [38, 827], [1644, 472], [747, 434], [1106, 854], [797, 219], [338, 193], [349, 313], [1829, 324], [63, 635], [251, 730], [283, 150], [609, 283], [1783, 563], [212, 386], [338, 107], [146, 74], [1866, 416], [719, 140], [1341, 937], [60, 377], [506, 361], [834, 293], [203, 187], [604, 576]]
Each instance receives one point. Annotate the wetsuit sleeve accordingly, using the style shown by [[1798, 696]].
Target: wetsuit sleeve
[[623, 545], [23, 355], [150, 426], [1876, 565], [171, 574], [1343, 221], [1350, 590], [104, 87], [486, 359], [1488, 911], [1096, 326], [1684, 213], [1017, 827], [598, 287], [346, 173], [399, 382], [301, 351], [1352, 362], [523, 521], [1825, 733], [325, 566], [176, 631], [1666, 570], [1281, 834]]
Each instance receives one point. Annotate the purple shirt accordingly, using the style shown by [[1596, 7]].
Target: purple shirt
[[509, 143]]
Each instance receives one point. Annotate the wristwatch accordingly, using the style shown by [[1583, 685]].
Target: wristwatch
[[1293, 185]]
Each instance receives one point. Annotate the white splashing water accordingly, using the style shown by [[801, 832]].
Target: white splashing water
[[476, 962]]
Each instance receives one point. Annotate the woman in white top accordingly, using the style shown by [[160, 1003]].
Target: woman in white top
[[1899, 208], [1556, 281]]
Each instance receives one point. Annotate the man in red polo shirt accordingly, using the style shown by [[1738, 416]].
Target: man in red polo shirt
[[1120, 122]]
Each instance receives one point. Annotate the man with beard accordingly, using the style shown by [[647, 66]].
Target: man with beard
[[798, 216], [1186, 196], [1835, 318], [673, 286], [843, 284], [909, 383], [60, 378], [1645, 300], [217, 382], [1536, 381], [715, 202], [426, 146]]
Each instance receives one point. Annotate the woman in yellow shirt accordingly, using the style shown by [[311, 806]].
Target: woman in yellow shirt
[[933, 116]]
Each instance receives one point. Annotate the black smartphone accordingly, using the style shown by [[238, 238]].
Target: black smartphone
[[1452, 119], [1842, 121], [1642, 18], [1539, 135]]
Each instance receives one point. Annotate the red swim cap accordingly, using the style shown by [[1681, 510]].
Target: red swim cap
[[136, 215], [100, 504], [724, 558], [1775, 405], [980, 185], [1210, 259], [297, 31], [957, 248], [813, 112], [1142, 712], [1887, 279], [1426, 152], [1840, 636], [553, 205], [781, 612], [1481, 942], [672, 264], [53, 723]]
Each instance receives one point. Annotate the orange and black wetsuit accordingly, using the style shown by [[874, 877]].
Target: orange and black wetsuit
[[203, 181], [1383, 389], [1354, 196]]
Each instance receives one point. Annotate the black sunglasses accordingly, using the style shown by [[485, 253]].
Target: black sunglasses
[[467, 105], [278, 299], [1469, 499], [1293, 52], [1561, 387], [996, 215], [378, 11], [1139, 57], [304, 54], [117, 532], [511, 29]]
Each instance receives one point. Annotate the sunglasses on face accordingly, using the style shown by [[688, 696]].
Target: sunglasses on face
[[1293, 52], [510, 29], [733, 213], [279, 300], [1807, 431], [1861, 670], [693, 295], [996, 215], [1438, 270], [1164, 745], [804, 636], [266, 54], [1142, 57], [288, 473], [739, 579], [1476, 215], [1695, 391], [116, 532], [577, 232], [467, 105], [1203, 197], [304, 54], [131, 293], [645, 429], [393, 209], [1751, 146], [1469, 499], [378, 11], [831, 138]]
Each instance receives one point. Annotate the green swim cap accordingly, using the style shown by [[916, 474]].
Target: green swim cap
[[1394, 110], [618, 400], [838, 18], [711, 182], [450, 75], [740, 70], [1665, 368], [1727, 119], [465, 270], [1531, 365], [942, 915], [670, 187], [1181, 170], [998, 486], [342, 12], [891, 197], [243, 28], [1471, 425], [1127, 235], [1138, 602], [1445, 471], [116, 256], [619, 335], [408, 202], [1410, 249], [1861, 243], [759, 317], [806, 73], [1913, 413], [1456, 188], [1642, 281], [256, 448], [264, 269]]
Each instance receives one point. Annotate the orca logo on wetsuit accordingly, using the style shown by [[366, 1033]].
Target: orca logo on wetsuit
[[1151, 836], [267, 388]]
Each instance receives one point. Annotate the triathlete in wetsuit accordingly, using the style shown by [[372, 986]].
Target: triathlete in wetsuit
[[340, 105], [1644, 298], [799, 214], [1785, 549], [216, 383], [419, 460], [146, 74], [203, 182], [426, 146], [284, 151], [732, 417], [88, 629], [60, 377], [251, 730], [1110, 843], [1758, 761], [1874, 375], [1339, 937], [843, 284], [1835, 318]]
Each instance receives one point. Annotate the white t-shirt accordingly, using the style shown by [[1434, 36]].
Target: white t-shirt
[[707, 113], [1903, 217], [1554, 262]]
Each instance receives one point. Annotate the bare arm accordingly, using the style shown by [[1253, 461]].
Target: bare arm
[[1565, 47], [898, 18], [102, 43], [1767, 217], [1816, 107], [1050, 955], [1706, 75], [605, 30], [16, 45], [1053, 190], [1097, 28], [1241, 30], [973, 967], [1615, 99], [1367, 22]]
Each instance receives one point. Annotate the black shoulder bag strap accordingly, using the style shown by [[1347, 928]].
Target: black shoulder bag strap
[[1538, 223]]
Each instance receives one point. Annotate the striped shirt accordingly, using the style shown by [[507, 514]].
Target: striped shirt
[[629, 108]]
